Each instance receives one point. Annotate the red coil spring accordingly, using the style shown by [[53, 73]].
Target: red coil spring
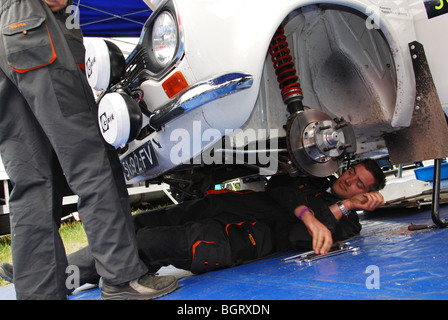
[[284, 66]]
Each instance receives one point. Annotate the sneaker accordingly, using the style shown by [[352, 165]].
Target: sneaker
[[146, 287], [6, 271]]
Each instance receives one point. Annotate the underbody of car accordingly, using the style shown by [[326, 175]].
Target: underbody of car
[[296, 87]]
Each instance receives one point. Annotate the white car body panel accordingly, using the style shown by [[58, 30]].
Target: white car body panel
[[344, 65]]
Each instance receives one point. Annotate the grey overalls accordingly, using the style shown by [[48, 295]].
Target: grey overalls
[[48, 132]]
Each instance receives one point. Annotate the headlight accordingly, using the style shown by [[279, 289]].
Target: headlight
[[164, 38], [105, 64]]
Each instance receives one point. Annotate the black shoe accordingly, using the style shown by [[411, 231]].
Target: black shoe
[[144, 288], [6, 271]]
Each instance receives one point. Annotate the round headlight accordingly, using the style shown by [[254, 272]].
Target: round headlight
[[164, 38], [119, 118], [105, 64]]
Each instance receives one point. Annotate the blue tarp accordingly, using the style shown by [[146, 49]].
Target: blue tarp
[[392, 263], [112, 18]]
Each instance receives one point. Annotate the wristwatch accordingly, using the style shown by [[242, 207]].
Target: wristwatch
[[343, 209]]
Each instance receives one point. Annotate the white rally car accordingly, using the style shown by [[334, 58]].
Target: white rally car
[[220, 89]]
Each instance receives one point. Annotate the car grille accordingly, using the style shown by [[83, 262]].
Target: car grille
[[135, 65]]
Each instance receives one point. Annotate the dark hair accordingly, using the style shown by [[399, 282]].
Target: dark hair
[[373, 167]]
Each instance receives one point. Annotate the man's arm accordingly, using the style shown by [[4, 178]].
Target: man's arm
[[322, 239], [365, 201], [56, 5]]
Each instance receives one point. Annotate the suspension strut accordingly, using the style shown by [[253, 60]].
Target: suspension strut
[[316, 143], [286, 72]]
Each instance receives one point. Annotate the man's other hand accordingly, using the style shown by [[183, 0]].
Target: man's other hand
[[322, 239], [366, 201]]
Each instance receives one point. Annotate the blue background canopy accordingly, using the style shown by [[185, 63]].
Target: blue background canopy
[[112, 18]]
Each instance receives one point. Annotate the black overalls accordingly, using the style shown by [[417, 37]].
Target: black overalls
[[225, 229], [48, 133]]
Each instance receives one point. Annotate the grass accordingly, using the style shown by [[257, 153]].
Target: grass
[[5, 254], [72, 234]]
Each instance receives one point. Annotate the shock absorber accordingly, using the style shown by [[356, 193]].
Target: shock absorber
[[316, 143], [286, 72]]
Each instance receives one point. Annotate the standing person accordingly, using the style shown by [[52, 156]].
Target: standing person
[[48, 133]]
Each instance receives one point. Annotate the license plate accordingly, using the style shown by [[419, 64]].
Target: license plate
[[139, 161]]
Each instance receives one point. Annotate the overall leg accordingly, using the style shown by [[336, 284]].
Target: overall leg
[[85, 262], [178, 215], [92, 168], [35, 203], [62, 102], [164, 246], [196, 246]]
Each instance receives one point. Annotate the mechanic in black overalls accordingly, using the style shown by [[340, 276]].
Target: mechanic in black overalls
[[230, 228], [227, 229], [49, 132]]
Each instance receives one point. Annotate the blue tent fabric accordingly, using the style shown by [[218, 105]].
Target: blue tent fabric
[[112, 18]]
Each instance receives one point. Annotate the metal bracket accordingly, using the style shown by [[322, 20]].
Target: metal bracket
[[435, 205], [309, 257]]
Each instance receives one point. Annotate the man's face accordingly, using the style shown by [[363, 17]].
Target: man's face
[[354, 181]]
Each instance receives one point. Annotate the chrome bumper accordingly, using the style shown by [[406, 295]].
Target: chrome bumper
[[200, 94]]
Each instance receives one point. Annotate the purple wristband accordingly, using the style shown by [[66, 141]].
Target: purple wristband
[[303, 212]]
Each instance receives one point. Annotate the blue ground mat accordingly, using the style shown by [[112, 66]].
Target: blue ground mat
[[392, 263]]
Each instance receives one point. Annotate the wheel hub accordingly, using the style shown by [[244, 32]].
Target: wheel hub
[[317, 144]]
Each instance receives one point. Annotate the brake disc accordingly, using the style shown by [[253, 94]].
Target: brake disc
[[317, 143]]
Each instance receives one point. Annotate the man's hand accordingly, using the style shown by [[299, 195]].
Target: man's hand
[[322, 239], [56, 5], [365, 201]]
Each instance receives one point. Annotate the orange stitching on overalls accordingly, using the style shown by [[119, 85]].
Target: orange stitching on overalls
[[17, 25]]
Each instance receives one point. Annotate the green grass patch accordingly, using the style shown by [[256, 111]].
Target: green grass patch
[[72, 234]]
